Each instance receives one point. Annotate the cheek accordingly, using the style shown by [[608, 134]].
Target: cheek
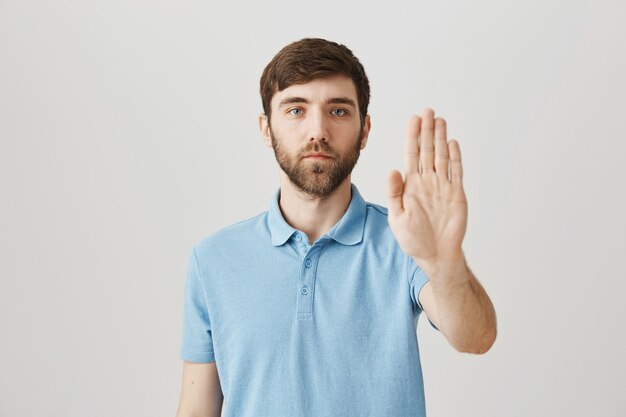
[[350, 129], [287, 131], [283, 141]]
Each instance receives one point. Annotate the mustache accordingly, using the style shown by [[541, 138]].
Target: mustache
[[319, 147]]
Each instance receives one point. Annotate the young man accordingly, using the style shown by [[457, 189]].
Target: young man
[[310, 308]]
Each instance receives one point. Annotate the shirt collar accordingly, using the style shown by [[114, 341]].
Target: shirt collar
[[348, 230]]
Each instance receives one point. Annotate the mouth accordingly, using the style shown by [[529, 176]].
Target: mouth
[[317, 156]]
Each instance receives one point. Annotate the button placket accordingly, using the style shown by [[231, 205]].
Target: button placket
[[299, 243], [306, 284], [308, 275]]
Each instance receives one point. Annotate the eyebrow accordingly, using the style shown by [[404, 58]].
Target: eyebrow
[[334, 100]]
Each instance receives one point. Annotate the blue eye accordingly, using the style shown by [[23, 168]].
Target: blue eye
[[339, 112], [295, 110]]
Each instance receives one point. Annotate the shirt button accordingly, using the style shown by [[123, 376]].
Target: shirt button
[[305, 290], [308, 263], [298, 236]]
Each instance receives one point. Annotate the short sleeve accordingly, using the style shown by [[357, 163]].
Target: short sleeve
[[417, 281], [197, 341]]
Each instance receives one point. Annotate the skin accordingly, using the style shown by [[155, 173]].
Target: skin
[[201, 392], [428, 216]]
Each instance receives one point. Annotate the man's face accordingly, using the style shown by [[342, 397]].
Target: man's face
[[316, 133]]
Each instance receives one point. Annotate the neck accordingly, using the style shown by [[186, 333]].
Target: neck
[[313, 215]]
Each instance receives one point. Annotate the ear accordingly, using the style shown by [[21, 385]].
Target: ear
[[264, 126], [366, 130]]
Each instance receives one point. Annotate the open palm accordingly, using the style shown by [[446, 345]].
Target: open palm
[[428, 209]]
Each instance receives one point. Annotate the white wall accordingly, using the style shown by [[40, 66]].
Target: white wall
[[128, 132]]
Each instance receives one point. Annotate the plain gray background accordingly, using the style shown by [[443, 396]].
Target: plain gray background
[[129, 132]]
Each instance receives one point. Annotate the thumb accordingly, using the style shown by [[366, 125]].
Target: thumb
[[396, 189]]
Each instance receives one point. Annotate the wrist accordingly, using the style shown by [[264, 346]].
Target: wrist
[[451, 268], [451, 260]]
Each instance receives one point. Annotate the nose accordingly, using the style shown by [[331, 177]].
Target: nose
[[318, 129]]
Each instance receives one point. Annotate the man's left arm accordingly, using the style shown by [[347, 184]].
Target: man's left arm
[[457, 304], [428, 216]]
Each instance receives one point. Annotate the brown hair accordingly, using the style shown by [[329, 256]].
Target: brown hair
[[308, 59]]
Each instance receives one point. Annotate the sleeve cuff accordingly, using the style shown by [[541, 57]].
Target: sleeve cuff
[[420, 280], [200, 357]]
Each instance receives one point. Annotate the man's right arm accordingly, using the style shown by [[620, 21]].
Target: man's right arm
[[201, 393]]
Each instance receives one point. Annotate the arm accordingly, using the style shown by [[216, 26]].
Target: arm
[[201, 393], [458, 305], [428, 216]]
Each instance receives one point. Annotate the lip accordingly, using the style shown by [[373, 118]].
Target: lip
[[318, 156]]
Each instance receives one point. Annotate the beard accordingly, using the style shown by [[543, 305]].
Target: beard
[[317, 178]]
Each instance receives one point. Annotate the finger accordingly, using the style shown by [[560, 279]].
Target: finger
[[441, 149], [456, 167], [411, 145], [427, 146], [396, 189]]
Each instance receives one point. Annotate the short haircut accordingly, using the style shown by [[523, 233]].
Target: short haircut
[[308, 59]]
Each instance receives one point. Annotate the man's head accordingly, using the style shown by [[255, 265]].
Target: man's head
[[315, 96], [308, 59]]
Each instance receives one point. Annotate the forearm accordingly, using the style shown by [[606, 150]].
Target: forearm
[[466, 315]]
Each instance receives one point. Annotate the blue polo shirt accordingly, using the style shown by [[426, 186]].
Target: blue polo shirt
[[296, 329]]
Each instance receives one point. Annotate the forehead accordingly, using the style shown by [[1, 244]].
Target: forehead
[[319, 89]]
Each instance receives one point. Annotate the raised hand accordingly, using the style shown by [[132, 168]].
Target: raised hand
[[428, 209]]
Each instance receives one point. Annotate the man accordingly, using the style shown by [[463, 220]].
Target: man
[[310, 308]]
